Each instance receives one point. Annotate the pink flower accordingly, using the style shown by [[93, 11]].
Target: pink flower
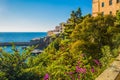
[[46, 77], [97, 61], [77, 69], [80, 70], [92, 70]]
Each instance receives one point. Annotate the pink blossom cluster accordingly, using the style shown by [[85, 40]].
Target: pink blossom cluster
[[46, 77], [80, 70]]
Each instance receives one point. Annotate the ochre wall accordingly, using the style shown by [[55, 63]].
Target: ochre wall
[[97, 7]]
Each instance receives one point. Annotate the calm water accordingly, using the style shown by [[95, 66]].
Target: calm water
[[19, 37]]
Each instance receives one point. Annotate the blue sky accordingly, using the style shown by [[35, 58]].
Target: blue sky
[[37, 15]]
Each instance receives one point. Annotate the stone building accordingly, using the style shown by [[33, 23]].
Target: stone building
[[58, 29], [105, 7]]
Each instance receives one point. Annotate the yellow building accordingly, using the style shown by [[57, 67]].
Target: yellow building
[[105, 7]]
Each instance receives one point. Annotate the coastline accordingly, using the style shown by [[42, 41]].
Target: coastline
[[23, 39]]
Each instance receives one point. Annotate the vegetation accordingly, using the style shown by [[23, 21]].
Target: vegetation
[[82, 52]]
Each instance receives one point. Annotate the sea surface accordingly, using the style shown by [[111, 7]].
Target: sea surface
[[19, 37]]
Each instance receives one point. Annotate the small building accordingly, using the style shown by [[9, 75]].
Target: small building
[[58, 29], [49, 33]]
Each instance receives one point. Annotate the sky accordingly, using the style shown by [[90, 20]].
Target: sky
[[38, 15]]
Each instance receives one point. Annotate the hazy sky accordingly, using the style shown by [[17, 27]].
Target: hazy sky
[[37, 15]]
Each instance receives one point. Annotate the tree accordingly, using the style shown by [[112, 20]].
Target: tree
[[72, 22], [118, 19], [79, 13], [12, 66]]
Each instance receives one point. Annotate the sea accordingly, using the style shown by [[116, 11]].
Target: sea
[[19, 37]]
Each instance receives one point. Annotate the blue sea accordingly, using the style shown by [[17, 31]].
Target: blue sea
[[19, 37]]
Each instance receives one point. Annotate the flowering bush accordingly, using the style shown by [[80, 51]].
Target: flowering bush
[[46, 77]]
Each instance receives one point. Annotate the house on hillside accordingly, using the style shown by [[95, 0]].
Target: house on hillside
[[58, 29]]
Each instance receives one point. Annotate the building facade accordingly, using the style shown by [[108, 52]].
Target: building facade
[[58, 29], [105, 7]]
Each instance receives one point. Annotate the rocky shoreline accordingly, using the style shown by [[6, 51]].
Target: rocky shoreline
[[40, 42]]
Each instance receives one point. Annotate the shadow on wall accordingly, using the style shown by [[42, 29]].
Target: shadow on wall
[[118, 77]]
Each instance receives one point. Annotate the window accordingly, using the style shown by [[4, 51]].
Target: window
[[110, 12], [110, 2], [117, 1], [102, 4]]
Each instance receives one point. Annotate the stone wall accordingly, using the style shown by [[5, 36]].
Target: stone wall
[[112, 72]]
